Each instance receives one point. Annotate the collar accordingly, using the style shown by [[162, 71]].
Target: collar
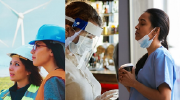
[[23, 89]]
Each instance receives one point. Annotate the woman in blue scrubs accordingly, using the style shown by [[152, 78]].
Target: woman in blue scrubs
[[154, 76]]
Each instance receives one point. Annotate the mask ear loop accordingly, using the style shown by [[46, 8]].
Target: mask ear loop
[[154, 35], [151, 31], [70, 39]]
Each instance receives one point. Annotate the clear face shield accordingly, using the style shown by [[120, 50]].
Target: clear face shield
[[82, 42]]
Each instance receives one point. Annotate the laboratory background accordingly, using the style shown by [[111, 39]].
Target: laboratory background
[[129, 49], [101, 63], [19, 24]]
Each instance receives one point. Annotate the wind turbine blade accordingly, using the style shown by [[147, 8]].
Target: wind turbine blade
[[4, 43], [37, 7], [9, 7], [17, 28], [22, 32]]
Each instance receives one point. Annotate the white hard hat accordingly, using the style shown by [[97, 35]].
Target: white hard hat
[[24, 51]]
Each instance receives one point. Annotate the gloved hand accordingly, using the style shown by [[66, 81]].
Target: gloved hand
[[109, 95]]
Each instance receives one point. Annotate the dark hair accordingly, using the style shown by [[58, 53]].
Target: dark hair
[[35, 77], [158, 18], [83, 11], [116, 58], [58, 51]]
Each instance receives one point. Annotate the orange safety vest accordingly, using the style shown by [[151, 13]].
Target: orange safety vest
[[58, 73]]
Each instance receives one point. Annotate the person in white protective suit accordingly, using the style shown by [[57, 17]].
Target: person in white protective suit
[[83, 29]]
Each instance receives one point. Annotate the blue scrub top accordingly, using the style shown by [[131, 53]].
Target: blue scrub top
[[159, 68]]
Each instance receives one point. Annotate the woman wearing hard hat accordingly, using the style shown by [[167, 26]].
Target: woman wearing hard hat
[[48, 52], [83, 29], [25, 75]]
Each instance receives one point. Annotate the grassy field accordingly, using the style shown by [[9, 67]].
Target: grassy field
[[5, 83]]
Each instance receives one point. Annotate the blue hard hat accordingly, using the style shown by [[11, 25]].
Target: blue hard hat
[[50, 32]]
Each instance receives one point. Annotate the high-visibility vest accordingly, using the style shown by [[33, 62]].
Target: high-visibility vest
[[30, 94], [58, 72]]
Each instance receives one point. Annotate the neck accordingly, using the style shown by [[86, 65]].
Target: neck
[[50, 65], [154, 45], [22, 83]]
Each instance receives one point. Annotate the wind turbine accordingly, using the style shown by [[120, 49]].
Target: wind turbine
[[4, 43], [20, 19]]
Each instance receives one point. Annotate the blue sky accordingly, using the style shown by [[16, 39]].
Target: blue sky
[[53, 13]]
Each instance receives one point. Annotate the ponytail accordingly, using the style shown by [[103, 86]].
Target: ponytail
[[164, 43]]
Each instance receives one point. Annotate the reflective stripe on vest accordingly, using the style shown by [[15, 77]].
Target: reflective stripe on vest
[[30, 94], [5, 95], [7, 98], [27, 98]]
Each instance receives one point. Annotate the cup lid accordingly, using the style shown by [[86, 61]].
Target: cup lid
[[126, 65]]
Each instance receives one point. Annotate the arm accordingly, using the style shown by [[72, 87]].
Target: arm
[[162, 93], [54, 89]]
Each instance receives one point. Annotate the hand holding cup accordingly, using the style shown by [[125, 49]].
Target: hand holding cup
[[128, 67]]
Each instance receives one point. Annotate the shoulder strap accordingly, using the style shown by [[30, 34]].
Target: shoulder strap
[[58, 73]]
